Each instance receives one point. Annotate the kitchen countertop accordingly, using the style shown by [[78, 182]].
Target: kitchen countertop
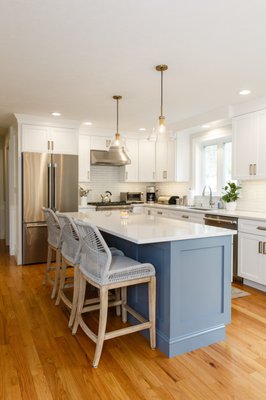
[[237, 213], [142, 228]]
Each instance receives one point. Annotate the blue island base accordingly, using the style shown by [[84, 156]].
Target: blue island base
[[193, 287]]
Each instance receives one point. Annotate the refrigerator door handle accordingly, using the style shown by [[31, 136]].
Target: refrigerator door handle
[[50, 179], [53, 188]]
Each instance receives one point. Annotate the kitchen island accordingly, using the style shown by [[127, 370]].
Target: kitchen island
[[193, 269]]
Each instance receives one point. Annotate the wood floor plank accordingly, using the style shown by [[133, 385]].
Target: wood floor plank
[[40, 359]]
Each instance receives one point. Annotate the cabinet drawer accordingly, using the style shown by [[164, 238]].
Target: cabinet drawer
[[252, 226]]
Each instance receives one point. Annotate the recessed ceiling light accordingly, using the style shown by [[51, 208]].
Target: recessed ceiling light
[[88, 123], [206, 126], [244, 92], [142, 129], [56, 114]]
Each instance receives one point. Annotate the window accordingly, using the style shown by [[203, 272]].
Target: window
[[216, 164]]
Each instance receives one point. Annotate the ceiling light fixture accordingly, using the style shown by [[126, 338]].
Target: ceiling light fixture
[[56, 114], [142, 129], [244, 92], [161, 68], [88, 123], [206, 126]]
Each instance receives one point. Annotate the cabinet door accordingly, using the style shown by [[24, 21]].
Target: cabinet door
[[244, 146], [34, 138], [182, 157], [261, 146], [146, 161], [165, 161], [132, 170], [84, 158], [64, 140], [251, 262], [100, 142]]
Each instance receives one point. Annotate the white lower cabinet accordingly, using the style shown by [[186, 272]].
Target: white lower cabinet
[[176, 214], [252, 250]]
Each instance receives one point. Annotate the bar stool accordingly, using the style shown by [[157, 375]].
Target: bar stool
[[54, 245], [102, 270], [70, 253]]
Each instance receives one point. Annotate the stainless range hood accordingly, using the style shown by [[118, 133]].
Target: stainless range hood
[[115, 156]]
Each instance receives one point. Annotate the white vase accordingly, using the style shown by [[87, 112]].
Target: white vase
[[231, 206], [83, 201]]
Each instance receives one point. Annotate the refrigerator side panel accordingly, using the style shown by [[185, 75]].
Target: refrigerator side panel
[[34, 185], [66, 182]]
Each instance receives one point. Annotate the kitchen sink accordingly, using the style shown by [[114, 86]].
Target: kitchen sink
[[202, 208]]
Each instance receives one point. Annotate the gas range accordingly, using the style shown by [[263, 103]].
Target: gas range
[[112, 205]]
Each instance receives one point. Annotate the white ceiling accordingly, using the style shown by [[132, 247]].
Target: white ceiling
[[72, 56]]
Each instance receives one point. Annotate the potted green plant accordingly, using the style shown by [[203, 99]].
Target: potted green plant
[[231, 195]]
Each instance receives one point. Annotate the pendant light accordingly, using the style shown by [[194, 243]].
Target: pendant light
[[117, 147], [162, 129]]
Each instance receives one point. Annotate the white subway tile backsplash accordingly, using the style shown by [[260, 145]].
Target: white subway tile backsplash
[[111, 178], [253, 196]]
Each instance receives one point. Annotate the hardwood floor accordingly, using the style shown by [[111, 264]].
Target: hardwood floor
[[40, 359]]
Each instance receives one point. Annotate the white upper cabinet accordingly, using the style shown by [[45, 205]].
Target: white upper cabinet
[[165, 161], [182, 157], [132, 170], [100, 142], [42, 139], [249, 141], [34, 138], [146, 161], [84, 158]]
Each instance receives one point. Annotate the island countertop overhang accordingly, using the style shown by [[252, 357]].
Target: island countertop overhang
[[144, 229]]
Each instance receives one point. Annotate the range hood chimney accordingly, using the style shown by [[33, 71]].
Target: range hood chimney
[[116, 155]]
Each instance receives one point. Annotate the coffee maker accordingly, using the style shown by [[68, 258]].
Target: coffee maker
[[150, 194]]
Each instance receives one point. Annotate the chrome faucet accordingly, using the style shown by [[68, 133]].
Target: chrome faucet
[[211, 203]]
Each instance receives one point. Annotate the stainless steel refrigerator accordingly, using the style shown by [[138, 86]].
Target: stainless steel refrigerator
[[49, 180]]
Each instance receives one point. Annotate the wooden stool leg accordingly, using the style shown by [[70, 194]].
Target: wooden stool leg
[[48, 268], [61, 282], [57, 273], [81, 297], [124, 302], [117, 297], [102, 325], [75, 297], [152, 311]]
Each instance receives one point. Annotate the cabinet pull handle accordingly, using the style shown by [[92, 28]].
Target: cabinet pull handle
[[160, 212], [250, 169], [264, 247], [88, 174], [126, 175], [254, 169], [261, 228], [48, 144], [260, 247], [52, 144], [185, 216], [153, 175], [164, 174]]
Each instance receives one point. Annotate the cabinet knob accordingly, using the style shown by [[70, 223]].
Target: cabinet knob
[[160, 212], [185, 216]]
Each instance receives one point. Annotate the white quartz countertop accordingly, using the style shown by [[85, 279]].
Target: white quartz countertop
[[142, 228], [237, 213]]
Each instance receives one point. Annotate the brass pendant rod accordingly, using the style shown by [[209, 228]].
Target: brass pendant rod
[[161, 93], [117, 115]]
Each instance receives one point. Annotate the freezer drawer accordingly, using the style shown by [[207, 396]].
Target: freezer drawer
[[34, 243]]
